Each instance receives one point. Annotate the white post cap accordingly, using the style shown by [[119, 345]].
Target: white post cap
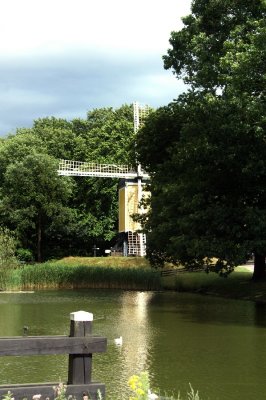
[[81, 316]]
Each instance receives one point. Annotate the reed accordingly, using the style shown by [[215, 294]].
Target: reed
[[57, 276]]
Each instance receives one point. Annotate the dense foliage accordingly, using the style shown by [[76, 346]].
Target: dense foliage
[[208, 168], [53, 215], [8, 260]]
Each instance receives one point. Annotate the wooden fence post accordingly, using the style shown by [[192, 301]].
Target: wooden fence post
[[80, 365], [80, 346]]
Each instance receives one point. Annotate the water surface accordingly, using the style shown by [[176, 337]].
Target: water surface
[[217, 345]]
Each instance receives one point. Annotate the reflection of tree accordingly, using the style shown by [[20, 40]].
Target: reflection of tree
[[260, 314], [38, 313], [10, 316]]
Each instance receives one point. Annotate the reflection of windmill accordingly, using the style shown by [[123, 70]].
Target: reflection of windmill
[[130, 191]]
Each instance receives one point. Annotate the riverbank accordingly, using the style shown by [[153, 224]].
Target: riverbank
[[132, 273], [238, 285]]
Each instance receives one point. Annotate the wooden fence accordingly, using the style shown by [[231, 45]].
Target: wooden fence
[[80, 345], [173, 271]]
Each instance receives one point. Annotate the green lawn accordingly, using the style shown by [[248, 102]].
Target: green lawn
[[237, 285]]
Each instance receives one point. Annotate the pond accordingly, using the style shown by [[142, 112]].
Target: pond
[[217, 345]]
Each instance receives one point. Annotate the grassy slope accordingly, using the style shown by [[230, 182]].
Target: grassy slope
[[116, 270], [237, 285], [116, 262]]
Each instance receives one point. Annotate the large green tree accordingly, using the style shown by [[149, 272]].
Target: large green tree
[[34, 198], [197, 49], [106, 136], [89, 211], [209, 198]]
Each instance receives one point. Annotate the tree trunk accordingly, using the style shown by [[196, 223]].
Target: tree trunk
[[259, 268], [39, 239]]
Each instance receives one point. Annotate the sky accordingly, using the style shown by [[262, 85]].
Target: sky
[[63, 58]]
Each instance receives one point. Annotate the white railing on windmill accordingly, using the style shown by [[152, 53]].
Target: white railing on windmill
[[79, 168], [130, 193]]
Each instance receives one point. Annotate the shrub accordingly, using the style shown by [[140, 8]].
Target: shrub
[[24, 255], [8, 260]]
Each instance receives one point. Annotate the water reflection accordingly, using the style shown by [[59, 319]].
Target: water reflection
[[216, 344], [260, 315], [131, 321], [134, 322], [200, 309]]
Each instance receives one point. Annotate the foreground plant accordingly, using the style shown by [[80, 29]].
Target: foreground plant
[[8, 396], [60, 392], [192, 395], [140, 386]]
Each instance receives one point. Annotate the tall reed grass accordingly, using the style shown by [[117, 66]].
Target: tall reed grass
[[56, 276]]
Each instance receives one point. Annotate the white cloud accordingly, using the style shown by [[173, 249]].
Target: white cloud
[[54, 25], [64, 57]]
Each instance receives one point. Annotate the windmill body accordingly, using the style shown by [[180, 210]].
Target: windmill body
[[130, 190]]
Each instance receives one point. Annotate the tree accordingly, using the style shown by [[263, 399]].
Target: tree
[[109, 139], [111, 135], [34, 197], [8, 260], [208, 193], [57, 137], [16, 147], [203, 201], [89, 214], [198, 48]]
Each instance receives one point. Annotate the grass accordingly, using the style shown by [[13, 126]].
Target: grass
[[131, 273], [238, 285], [115, 262], [76, 274]]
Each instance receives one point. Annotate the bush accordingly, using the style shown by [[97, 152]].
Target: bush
[[24, 255], [8, 260]]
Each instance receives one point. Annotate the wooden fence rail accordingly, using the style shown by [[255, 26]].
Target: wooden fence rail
[[172, 271], [80, 345]]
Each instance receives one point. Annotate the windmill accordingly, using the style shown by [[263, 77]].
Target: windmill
[[130, 189]]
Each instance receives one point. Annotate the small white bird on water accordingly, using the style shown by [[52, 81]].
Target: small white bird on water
[[119, 341]]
